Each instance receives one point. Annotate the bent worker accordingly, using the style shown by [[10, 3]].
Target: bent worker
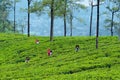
[[49, 52], [37, 41], [77, 48], [27, 59]]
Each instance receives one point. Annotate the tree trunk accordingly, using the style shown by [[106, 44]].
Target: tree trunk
[[14, 16], [52, 20], [112, 24], [97, 29], [71, 25], [65, 25], [91, 19], [65, 18], [28, 18]]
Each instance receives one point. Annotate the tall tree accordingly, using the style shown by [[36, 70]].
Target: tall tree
[[97, 29], [113, 6], [65, 11], [91, 16], [71, 23], [14, 2], [14, 14], [52, 20], [74, 5], [45, 6], [61, 11], [29, 1]]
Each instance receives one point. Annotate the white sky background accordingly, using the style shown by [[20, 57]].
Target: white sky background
[[86, 2]]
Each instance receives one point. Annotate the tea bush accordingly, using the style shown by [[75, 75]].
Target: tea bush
[[64, 64]]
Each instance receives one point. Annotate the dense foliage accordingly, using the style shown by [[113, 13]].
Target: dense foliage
[[64, 64], [5, 23]]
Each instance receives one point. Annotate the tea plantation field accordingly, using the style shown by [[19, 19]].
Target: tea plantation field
[[64, 64]]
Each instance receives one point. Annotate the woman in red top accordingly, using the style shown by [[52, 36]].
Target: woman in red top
[[48, 52]]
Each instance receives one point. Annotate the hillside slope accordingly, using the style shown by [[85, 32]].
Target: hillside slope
[[64, 64]]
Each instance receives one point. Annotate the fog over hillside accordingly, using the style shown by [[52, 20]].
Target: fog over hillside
[[40, 25]]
